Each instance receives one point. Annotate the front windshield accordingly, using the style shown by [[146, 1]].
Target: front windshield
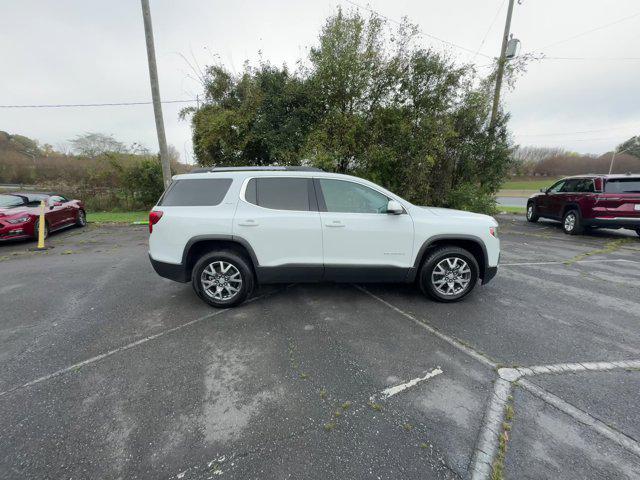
[[9, 201]]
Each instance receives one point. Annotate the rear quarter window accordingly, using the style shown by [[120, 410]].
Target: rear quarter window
[[623, 185], [196, 192]]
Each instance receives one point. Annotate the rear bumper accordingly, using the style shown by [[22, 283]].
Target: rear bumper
[[174, 272], [615, 222]]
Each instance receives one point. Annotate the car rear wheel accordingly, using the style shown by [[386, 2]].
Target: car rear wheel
[[36, 229], [222, 279], [531, 213], [572, 223], [81, 221], [448, 274]]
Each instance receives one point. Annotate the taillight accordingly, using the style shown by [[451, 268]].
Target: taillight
[[154, 217], [493, 231]]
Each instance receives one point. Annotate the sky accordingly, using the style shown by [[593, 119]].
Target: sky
[[583, 97]]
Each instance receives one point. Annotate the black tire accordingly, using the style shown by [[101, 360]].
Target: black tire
[[572, 227], [638, 231], [532, 216], [426, 276], [81, 221], [36, 228], [211, 261]]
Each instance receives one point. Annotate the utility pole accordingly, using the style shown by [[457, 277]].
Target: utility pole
[[501, 62], [155, 94]]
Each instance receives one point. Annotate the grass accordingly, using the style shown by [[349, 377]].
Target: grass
[[511, 209], [118, 217], [532, 185]]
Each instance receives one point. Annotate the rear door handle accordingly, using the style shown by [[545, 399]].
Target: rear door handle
[[248, 223], [335, 224]]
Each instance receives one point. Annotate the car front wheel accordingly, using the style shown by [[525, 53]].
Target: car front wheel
[[81, 221], [531, 213], [448, 274], [222, 279], [36, 229], [571, 223]]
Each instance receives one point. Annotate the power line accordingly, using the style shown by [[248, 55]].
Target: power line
[[484, 39], [74, 105], [586, 32], [357, 5], [604, 59]]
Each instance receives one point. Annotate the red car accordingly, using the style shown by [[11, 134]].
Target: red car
[[590, 201], [20, 213]]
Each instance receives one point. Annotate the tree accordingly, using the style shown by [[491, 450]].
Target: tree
[[631, 146], [371, 103], [95, 144]]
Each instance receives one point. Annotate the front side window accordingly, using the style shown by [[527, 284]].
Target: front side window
[[557, 187], [348, 197], [570, 186], [280, 193], [623, 185], [196, 192]]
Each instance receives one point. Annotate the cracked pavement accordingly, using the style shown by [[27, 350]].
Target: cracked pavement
[[258, 391]]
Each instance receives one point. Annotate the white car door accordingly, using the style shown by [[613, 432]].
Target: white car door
[[278, 217], [360, 240]]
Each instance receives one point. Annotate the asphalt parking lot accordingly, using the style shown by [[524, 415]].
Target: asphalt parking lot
[[109, 371]]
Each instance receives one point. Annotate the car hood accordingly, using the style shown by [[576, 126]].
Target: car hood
[[450, 212], [10, 212]]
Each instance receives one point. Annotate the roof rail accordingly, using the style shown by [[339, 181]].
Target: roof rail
[[243, 169]]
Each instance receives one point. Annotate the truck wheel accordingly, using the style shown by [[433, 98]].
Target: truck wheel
[[448, 274], [531, 213], [222, 279], [572, 223]]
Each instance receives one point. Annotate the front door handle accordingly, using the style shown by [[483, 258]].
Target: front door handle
[[335, 224], [248, 223]]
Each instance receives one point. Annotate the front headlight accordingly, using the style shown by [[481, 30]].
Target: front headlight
[[19, 220]]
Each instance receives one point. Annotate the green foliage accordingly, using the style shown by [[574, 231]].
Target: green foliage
[[631, 146], [370, 102], [143, 181]]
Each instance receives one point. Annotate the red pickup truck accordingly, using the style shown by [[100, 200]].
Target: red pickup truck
[[589, 201]]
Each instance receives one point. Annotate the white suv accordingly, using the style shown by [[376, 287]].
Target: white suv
[[228, 229]]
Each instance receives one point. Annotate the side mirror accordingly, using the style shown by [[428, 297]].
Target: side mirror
[[543, 190], [394, 207]]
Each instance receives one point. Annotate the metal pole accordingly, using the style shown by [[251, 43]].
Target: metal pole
[[155, 94], [501, 61], [613, 157]]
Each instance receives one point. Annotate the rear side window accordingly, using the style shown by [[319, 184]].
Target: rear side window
[[280, 193], [623, 185], [585, 185], [196, 192]]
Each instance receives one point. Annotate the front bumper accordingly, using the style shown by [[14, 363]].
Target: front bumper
[[17, 231]]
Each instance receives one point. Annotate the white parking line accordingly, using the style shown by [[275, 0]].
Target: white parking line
[[128, 346], [391, 391], [489, 438], [565, 262], [481, 467]]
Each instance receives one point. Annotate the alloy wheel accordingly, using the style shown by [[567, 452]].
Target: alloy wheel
[[529, 212], [82, 218], [570, 222], [451, 276], [221, 280]]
